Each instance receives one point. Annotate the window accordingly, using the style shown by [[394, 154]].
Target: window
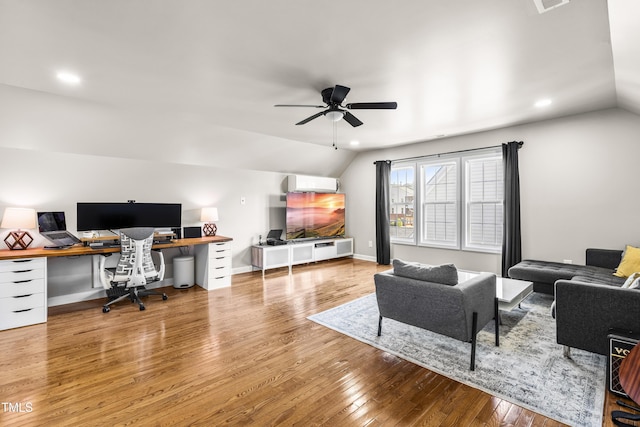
[[401, 192], [459, 199], [439, 203], [484, 207]]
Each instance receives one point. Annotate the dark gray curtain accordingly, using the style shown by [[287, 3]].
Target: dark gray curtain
[[511, 238], [383, 240]]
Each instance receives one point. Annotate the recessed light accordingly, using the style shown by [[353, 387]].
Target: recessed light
[[542, 103], [69, 78], [354, 143]]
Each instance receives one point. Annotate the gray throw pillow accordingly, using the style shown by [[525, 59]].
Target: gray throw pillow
[[447, 274]]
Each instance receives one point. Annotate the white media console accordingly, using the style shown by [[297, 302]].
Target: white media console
[[264, 257]]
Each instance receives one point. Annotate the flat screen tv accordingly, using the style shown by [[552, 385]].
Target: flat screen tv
[[315, 215], [114, 216]]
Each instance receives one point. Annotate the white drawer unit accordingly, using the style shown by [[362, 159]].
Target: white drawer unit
[[213, 265], [23, 292]]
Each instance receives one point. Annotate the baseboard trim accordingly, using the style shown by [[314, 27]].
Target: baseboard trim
[[240, 270], [364, 257], [96, 293]]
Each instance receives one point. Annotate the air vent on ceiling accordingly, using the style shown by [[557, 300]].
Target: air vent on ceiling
[[546, 5]]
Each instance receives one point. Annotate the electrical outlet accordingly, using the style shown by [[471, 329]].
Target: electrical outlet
[[243, 200], [370, 243]]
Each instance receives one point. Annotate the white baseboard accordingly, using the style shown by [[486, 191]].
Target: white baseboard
[[365, 257], [240, 270], [95, 293]]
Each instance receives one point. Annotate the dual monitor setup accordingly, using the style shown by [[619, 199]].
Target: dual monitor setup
[[108, 216]]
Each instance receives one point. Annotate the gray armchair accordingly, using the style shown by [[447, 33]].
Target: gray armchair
[[458, 311]]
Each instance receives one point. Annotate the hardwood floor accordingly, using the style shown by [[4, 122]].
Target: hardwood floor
[[244, 355]]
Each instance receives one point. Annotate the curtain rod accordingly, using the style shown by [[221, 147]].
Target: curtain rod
[[520, 144]]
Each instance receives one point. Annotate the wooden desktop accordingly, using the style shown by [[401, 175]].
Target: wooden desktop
[[6, 254]]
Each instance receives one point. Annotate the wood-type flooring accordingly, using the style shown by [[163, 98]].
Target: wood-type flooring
[[244, 355]]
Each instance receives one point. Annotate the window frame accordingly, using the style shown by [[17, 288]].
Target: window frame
[[422, 188], [489, 154], [394, 238]]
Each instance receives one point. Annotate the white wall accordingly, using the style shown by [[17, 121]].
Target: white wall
[[578, 180], [40, 180], [57, 181]]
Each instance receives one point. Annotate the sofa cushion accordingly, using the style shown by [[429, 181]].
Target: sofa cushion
[[630, 262], [600, 279], [549, 272], [446, 274]]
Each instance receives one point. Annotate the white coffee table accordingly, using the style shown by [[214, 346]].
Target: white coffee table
[[510, 292]]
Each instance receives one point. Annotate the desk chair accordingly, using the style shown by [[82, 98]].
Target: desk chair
[[135, 269]]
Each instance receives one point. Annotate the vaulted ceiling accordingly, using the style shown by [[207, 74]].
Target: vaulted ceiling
[[453, 67]]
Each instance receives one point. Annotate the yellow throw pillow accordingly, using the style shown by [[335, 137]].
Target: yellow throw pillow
[[630, 262]]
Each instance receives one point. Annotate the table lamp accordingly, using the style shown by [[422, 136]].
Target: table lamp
[[18, 218], [208, 215]]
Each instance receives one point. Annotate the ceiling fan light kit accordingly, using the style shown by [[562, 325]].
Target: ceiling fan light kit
[[334, 115]]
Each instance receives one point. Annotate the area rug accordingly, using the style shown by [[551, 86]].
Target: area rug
[[528, 368]]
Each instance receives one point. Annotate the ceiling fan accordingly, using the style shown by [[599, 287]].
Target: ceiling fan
[[335, 111]]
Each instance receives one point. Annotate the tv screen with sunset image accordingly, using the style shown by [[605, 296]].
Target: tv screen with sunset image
[[315, 215]]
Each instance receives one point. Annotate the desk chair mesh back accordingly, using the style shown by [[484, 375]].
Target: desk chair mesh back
[[135, 269]]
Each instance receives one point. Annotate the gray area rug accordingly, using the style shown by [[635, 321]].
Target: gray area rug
[[528, 368]]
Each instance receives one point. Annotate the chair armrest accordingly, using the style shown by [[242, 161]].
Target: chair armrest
[[105, 275], [585, 312], [479, 294], [161, 267], [606, 258]]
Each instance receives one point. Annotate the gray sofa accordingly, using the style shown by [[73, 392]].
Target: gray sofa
[[589, 302], [410, 294], [599, 268]]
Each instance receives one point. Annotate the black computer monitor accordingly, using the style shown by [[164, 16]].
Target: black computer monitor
[[113, 216]]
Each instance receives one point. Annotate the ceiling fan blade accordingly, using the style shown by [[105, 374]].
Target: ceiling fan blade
[[372, 106], [351, 119], [299, 105], [308, 119], [339, 94]]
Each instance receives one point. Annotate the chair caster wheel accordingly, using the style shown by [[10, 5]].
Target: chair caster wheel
[[105, 309], [164, 297], [142, 307]]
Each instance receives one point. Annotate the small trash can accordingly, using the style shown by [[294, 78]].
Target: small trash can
[[183, 272]]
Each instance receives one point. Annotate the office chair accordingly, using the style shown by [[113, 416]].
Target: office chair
[[135, 269]]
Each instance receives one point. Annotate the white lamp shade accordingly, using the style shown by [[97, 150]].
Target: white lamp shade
[[209, 214], [334, 116], [20, 218]]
